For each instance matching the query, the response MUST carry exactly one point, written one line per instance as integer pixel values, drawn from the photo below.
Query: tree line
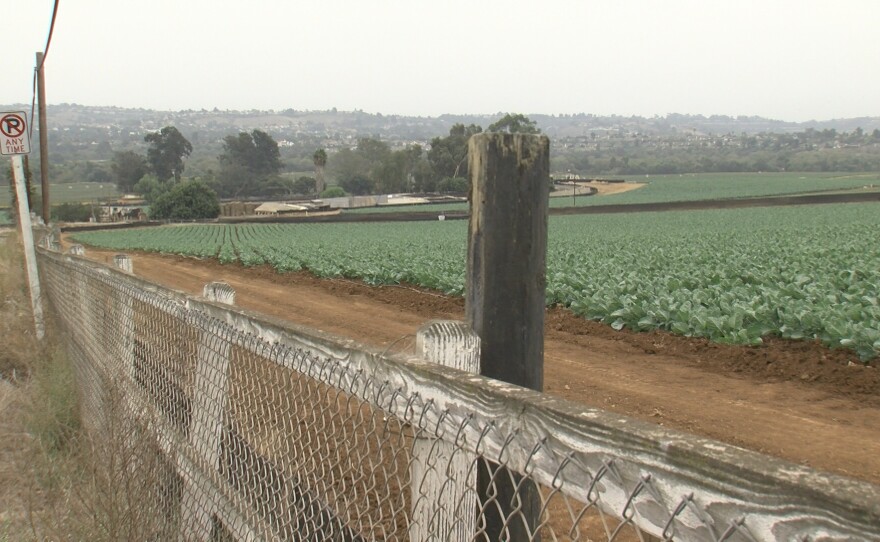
(637, 154)
(250, 167)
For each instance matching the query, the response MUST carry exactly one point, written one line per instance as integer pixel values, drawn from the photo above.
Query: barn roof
(279, 208)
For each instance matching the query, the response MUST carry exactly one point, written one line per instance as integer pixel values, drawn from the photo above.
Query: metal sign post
(14, 141)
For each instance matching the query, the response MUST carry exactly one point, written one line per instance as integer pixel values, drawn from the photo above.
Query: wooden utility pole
(505, 297)
(44, 144)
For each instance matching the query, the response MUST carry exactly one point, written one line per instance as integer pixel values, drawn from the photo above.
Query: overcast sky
(791, 60)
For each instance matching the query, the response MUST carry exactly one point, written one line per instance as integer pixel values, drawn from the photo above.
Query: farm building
(271, 208)
(282, 209)
(125, 209)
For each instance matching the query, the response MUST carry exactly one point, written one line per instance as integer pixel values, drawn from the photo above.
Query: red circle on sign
(12, 125)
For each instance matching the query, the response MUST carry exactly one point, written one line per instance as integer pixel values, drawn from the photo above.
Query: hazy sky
(784, 59)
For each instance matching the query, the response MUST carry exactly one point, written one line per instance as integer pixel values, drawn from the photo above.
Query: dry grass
(38, 415)
(18, 345)
(56, 481)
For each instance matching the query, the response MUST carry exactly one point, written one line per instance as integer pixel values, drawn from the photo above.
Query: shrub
(453, 185)
(333, 192)
(186, 201)
(72, 212)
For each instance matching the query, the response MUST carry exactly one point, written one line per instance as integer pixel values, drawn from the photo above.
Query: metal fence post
(444, 479)
(505, 295)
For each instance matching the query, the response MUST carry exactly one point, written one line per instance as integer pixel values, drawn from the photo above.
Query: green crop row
(690, 187)
(733, 276)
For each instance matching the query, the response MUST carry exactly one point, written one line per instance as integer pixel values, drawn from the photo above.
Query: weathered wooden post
(209, 402)
(444, 500)
(123, 262)
(505, 297)
(219, 292)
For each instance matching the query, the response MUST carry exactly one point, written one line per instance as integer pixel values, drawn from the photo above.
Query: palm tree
(320, 160)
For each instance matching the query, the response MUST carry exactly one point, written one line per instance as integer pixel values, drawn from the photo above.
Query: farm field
(695, 187)
(70, 193)
(732, 276)
(709, 186)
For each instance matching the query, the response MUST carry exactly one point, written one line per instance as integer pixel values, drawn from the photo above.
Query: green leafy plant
(733, 276)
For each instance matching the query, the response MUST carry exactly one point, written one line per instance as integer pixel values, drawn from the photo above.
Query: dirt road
(794, 400)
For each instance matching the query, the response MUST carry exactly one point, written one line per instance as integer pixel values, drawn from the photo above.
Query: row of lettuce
(733, 276)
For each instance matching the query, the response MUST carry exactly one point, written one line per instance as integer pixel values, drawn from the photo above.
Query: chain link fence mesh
(235, 427)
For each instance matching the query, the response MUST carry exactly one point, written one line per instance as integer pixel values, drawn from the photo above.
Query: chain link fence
(240, 427)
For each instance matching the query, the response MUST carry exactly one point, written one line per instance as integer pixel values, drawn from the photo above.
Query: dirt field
(795, 400)
(602, 188)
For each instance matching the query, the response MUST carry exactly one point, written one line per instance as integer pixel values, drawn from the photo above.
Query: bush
(186, 201)
(150, 188)
(453, 185)
(333, 192)
(72, 212)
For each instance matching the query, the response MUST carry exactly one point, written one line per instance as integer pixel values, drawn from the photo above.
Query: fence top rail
(555, 440)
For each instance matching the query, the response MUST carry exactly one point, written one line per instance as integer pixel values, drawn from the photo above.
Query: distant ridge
(361, 124)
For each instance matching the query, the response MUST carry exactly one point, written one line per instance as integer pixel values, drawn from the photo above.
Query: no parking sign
(14, 137)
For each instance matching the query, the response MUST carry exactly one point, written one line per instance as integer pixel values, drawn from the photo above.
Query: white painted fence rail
(277, 432)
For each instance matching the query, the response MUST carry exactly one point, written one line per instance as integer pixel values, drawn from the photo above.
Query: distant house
(281, 209)
(273, 208)
(126, 209)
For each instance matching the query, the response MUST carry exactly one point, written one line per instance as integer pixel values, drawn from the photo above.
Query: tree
(320, 160)
(150, 188)
(347, 164)
(266, 156)
(166, 152)
(454, 185)
(514, 123)
(248, 160)
(359, 185)
(128, 167)
(186, 201)
(403, 170)
(305, 185)
(423, 177)
(361, 171)
(448, 155)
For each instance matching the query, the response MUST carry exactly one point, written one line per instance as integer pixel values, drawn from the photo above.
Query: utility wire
(33, 102)
(40, 67)
(49, 39)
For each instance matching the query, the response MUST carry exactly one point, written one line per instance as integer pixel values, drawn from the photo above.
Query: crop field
(708, 186)
(694, 187)
(69, 193)
(732, 276)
